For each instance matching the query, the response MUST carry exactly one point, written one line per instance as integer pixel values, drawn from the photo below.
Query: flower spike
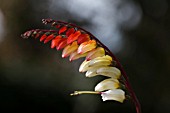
(76, 42)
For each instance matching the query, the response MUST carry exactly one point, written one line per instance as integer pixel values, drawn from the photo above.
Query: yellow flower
(109, 71)
(107, 84)
(75, 55)
(101, 61)
(98, 52)
(86, 46)
(69, 49)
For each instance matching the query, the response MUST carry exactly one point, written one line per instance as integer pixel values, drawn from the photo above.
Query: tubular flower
(77, 43)
(115, 94)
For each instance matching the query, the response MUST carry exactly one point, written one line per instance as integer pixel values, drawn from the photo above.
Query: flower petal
(55, 42)
(64, 28)
(50, 37)
(43, 37)
(116, 94)
(75, 55)
(83, 38)
(86, 46)
(70, 31)
(73, 37)
(69, 49)
(62, 43)
(98, 52)
(84, 66)
(107, 84)
(109, 71)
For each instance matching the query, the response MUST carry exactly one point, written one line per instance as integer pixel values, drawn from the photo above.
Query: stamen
(84, 92)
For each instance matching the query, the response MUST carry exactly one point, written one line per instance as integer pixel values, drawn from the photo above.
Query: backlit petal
(50, 37)
(75, 55)
(98, 52)
(84, 66)
(107, 84)
(116, 94)
(73, 37)
(109, 71)
(69, 49)
(101, 61)
(86, 46)
(64, 28)
(55, 42)
(43, 37)
(70, 31)
(62, 43)
(83, 38)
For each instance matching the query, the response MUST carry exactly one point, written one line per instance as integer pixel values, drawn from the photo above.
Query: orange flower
(64, 28)
(50, 37)
(69, 49)
(55, 42)
(73, 37)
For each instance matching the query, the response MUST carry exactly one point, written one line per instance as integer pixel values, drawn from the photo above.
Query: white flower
(116, 94)
(107, 84)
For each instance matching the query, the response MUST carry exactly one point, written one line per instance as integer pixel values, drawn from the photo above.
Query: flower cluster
(75, 43)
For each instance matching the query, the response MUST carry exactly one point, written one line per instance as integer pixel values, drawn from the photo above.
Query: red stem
(127, 83)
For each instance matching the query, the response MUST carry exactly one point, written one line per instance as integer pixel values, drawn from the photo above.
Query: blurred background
(34, 78)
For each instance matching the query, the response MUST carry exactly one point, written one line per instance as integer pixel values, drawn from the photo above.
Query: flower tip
(64, 56)
(45, 42)
(88, 59)
(70, 60)
(79, 52)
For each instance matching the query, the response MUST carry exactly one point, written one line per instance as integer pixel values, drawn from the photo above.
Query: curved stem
(118, 65)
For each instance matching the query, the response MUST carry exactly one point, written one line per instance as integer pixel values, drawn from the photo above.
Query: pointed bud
(98, 52)
(107, 84)
(83, 38)
(55, 42)
(92, 71)
(73, 37)
(62, 44)
(75, 55)
(116, 94)
(63, 29)
(109, 71)
(50, 37)
(86, 46)
(69, 49)
(70, 31)
(43, 37)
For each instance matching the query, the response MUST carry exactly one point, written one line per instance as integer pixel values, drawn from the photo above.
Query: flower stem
(84, 92)
(118, 65)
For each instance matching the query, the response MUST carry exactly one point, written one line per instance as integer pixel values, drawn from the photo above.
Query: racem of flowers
(75, 43)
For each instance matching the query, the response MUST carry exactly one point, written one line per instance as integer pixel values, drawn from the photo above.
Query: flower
(69, 49)
(77, 43)
(86, 46)
(75, 55)
(98, 52)
(107, 84)
(115, 94)
(109, 71)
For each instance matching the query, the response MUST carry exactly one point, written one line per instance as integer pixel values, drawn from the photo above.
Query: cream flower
(116, 94)
(107, 84)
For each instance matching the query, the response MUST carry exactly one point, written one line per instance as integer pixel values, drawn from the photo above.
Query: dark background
(34, 78)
